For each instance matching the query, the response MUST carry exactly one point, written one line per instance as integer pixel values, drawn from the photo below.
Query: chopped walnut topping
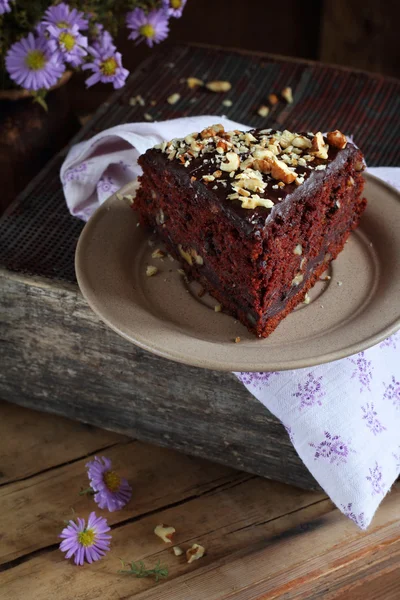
(195, 552)
(320, 167)
(218, 86)
(287, 94)
(193, 82)
(174, 98)
(319, 148)
(232, 164)
(208, 178)
(298, 250)
(165, 533)
(263, 111)
(273, 99)
(298, 279)
(337, 139)
(150, 271)
(307, 299)
(286, 138)
(217, 174)
(301, 141)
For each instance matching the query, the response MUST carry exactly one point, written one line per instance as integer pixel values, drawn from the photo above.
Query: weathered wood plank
(33, 510)
(75, 366)
(33, 442)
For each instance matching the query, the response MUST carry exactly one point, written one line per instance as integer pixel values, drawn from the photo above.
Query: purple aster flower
(151, 27)
(112, 491)
(86, 542)
(174, 7)
(104, 41)
(63, 17)
(5, 6)
(32, 65)
(69, 43)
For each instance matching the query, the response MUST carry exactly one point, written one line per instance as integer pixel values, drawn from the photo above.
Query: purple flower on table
(69, 43)
(5, 6)
(358, 519)
(375, 478)
(111, 490)
(333, 448)
(103, 42)
(311, 392)
(392, 392)
(64, 17)
(32, 65)
(106, 66)
(150, 27)
(370, 417)
(174, 7)
(258, 380)
(363, 371)
(86, 542)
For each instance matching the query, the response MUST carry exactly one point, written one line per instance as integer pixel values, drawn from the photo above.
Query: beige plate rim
(203, 353)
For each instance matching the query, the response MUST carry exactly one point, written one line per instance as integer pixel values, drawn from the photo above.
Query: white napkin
(343, 418)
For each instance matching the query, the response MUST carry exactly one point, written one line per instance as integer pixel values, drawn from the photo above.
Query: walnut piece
(177, 551)
(218, 86)
(173, 99)
(195, 552)
(337, 139)
(165, 533)
(318, 146)
(263, 111)
(232, 164)
(273, 99)
(150, 271)
(193, 82)
(287, 94)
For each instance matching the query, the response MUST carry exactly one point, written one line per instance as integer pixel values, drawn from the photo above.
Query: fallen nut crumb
(174, 98)
(148, 117)
(193, 82)
(181, 272)
(151, 270)
(158, 253)
(227, 102)
(218, 307)
(273, 99)
(195, 552)
(165, 533)
(287, 94)
(237, 340)
(263, 111)
(307, 299)
(218, 86)
(177, 551)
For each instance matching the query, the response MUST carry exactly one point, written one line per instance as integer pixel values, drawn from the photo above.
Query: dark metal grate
(39, 236)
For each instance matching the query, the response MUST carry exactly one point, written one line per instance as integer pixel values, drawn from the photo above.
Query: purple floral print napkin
(343, 418)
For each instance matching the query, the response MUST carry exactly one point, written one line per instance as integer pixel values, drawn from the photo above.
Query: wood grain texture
(75, 366)
(264, 540)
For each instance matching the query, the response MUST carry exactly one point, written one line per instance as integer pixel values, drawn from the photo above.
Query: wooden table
(263, 539)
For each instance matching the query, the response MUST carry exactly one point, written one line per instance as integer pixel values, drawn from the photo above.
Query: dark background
(359, 34)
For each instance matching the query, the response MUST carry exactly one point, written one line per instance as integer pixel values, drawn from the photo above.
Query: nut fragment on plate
(218, 86)
(194, 82)
(337, 139)
(218, 307)
(150, 271)
(195, 552)
(263, 111)
(287, 95)
(273, 99)
(237, 340)
(165, 533)
(158, 253)
(177, 550)
(173, 99)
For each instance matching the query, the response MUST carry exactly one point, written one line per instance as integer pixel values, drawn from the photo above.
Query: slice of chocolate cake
(255, 217)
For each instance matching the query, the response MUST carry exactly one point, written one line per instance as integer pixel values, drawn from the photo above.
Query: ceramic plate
(357, 308)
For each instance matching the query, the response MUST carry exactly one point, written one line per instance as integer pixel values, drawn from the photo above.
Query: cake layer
(255, 242)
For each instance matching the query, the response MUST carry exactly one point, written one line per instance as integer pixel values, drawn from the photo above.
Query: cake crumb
(218, 307)
(263, 111)
(151, 270)
(237, 340)
(173, 98)
(158, 253)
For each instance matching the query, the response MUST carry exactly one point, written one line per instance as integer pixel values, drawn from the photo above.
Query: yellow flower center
(35, 60)
(176, 3)
(112, 480)
(62, 24)
(86, 537)
(68, 40)
(147, 30)
(109, 66)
